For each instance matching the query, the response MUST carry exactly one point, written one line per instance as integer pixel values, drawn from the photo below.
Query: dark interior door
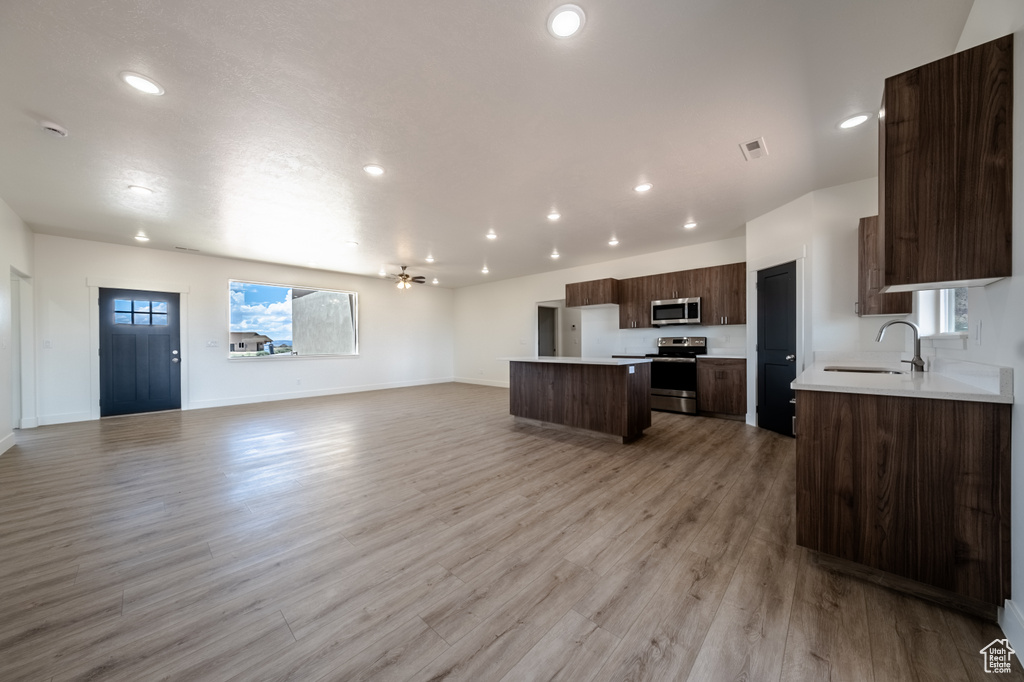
(546, 331)
(776, 347)
(140, 352)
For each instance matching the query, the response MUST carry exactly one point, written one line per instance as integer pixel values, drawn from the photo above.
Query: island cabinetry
(945, 147)
(722, 387)
(870, 299)
(596, 292)
(915, 490)
(611, 399)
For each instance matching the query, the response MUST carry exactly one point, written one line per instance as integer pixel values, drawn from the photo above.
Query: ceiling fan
(405, 280)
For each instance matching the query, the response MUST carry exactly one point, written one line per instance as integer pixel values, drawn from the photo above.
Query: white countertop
(579, 361)
(947, 380)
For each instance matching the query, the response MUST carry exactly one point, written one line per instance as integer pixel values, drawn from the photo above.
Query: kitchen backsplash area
(602, 336)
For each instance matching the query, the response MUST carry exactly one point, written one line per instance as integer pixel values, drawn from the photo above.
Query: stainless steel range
(674, 373)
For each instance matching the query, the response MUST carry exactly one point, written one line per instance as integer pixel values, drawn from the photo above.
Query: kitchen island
(610, 397)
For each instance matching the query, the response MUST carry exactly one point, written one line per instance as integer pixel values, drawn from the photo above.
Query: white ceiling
(481, 119)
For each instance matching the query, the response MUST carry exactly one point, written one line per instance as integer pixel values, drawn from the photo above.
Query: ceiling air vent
(754, 149)
(185, 248)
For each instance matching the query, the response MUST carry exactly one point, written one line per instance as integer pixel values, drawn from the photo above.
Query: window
(953, 310)
(280, 320)
(139, 313)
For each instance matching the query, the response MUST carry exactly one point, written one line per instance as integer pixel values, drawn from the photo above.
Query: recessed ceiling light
(854, 121)
(491, 235)
(566, 20)
(351, 244)
(374, 169)
(613, 242)
(435, 281)
(141, 83)
(140, 237)
(430, 259)
(383, 272)
(690, 225)
(554, 254)
(54, 128)
(643, 187)
(554, 215)
(139, 189)
(485, 270)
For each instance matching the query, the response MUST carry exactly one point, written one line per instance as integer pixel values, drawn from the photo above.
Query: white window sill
(944, 336)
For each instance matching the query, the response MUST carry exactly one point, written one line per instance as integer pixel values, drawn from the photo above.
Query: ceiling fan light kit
(405, 281)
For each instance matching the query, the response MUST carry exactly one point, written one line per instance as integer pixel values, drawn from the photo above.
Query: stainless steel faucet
(917, 364)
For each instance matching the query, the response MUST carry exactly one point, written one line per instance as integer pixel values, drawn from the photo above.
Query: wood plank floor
(419, 534)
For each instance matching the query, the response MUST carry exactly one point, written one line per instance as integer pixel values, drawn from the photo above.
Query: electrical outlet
(47, 343)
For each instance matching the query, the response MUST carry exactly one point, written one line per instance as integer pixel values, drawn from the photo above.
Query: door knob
(791, 358)
(175, 360)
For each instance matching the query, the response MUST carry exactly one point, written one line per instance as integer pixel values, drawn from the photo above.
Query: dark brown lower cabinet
(609, 399)
(722, 387)
(913, 487)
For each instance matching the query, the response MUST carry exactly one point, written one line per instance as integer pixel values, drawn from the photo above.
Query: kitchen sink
(863, 370)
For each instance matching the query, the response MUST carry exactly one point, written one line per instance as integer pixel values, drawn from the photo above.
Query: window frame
(309, 356)
(947, 312)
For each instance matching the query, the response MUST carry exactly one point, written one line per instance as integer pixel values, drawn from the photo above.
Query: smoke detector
(754, 149)
(54, 129)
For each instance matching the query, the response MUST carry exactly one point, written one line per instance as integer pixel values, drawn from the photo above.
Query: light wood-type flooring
(419, 534)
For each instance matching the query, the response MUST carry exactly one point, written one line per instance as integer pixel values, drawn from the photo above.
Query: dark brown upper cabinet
(596, 292)
(945, 156)
(870, 300)
(635, 296)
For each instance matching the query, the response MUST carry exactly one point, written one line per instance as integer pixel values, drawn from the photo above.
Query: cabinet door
(945, 164)
(870, 300)
(595, 292)
(575, 294)
(731, 292)
(722, 386)
(635, 303)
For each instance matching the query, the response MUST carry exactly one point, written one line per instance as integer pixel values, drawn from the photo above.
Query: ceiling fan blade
(419, 279)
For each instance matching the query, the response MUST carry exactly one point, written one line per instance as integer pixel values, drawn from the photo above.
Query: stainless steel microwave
(675, 311)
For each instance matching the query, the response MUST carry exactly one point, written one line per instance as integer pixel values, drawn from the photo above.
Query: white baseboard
(316, 393)
(29, 423)
(481, 382)
(66, 418)
(1011, 620)
(6, 443)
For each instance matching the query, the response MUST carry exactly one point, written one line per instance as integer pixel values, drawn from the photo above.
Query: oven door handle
(688, 360)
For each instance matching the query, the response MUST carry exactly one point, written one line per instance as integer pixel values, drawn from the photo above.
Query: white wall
(819, 232)
(15, 255)
(997, 308)
(405, 337)
(499, 319)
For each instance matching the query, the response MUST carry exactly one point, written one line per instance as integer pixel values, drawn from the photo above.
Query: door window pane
(121, 305)
(141, 318)
(142, 306)
(159, 319)
(159, 307)
(122, 318)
